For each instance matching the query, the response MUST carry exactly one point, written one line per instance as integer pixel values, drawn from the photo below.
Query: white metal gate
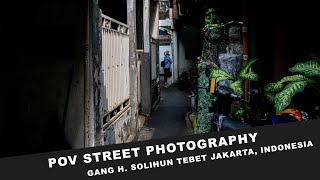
(115, 63)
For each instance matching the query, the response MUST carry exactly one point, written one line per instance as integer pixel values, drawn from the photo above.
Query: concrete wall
(119, 131)
(45, 47)
(183, 63)
(154, 63)
(175, 55)
(75, 125)
(154, 20)
(154, 32)
(52, 69)
(149, 85)
(124, 129)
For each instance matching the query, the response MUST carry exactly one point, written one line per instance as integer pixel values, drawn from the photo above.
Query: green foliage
(282, 92)
(239, 113)
(251, 76)
(237, 85)
(212, 98)
(245, 69)
(242, 112)
(210, 16)
(283, 99)
(188, 78)
(278, 86)
(270, 97)
(273, 88)
(245, 74)
(310, 68)
(293, 78)
(220, 75)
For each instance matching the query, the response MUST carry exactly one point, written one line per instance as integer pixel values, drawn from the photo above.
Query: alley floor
(168, 118)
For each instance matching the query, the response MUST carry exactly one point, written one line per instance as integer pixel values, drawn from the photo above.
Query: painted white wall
(165, 22)
(154, 24)
(154, 30)
(146, 26)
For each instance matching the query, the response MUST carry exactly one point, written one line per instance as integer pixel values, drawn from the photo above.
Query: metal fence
(115, 66)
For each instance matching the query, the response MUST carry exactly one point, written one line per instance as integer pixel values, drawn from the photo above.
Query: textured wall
(223, 50)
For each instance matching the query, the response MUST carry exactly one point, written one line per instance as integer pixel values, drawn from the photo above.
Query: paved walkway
(168, 119)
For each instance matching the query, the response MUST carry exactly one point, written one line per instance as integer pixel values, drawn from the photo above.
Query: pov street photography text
(213, 143)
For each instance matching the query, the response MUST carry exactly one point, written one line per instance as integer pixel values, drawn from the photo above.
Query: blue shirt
(167, 62)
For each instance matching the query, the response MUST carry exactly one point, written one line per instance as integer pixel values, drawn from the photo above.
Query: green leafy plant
(210, 16)
(237, 84)
(188, 78)
(242, 112)
(281, 93)
(184, 81)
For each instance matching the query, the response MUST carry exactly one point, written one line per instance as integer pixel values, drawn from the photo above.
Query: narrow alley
(86, 73)
(169, 117)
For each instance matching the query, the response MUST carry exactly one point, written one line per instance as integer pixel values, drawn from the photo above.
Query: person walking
(167, 68)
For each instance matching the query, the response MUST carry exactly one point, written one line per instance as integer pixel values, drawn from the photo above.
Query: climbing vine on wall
(217, 40)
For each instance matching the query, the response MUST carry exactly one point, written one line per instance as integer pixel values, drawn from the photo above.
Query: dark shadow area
(41, 75)
(118, 9)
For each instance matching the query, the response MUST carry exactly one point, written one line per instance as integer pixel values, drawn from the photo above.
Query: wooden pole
(245, 45)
